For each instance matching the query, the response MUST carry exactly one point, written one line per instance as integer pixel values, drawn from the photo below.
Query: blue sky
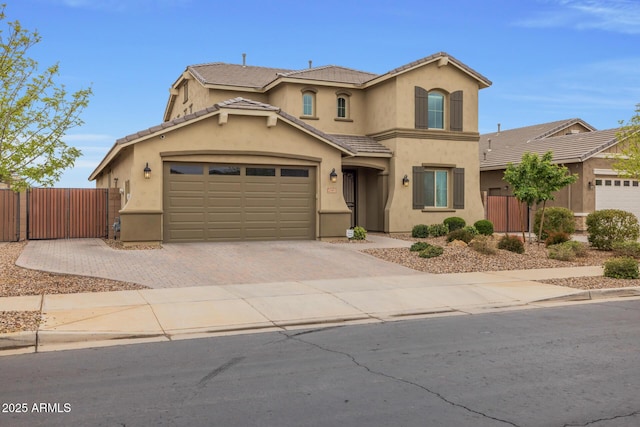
(548, 59)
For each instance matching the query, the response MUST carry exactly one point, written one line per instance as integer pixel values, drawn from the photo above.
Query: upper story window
(309, 102)
(430, 108)
(342, 104)
(342, 107)
(436, 110)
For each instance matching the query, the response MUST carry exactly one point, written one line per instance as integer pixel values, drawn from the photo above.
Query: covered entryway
(225, 202)
(618, 193)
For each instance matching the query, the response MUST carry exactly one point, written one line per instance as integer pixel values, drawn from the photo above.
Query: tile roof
(363, 144)
(512, 137)
(219, 73)
(570, 148)
(332, 73)
(432, 58)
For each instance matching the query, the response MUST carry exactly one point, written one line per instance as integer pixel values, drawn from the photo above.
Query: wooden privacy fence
(503, 212)
(9, 216)
(63, 213)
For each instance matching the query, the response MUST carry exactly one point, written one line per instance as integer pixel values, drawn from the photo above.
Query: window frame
(310, 94)
(443, 98)
(455, 187)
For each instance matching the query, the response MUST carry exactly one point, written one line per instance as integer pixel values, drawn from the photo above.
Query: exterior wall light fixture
(405, 181)
(333, 176)
(147, 171)
(590, 185)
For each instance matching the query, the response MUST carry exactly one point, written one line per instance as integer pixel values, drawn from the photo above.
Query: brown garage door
(223, 202)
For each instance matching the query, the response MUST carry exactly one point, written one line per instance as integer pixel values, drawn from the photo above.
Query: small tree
(536, 179)
(628, 158)
(35, 113)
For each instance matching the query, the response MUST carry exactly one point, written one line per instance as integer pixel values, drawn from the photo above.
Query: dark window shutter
(422, 108)
(456, 111)
(458, 188)
(418, 187)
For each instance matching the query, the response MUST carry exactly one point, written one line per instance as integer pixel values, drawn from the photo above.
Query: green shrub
(484, 227)
(556, 237)
(438, 230)
(460, 234)
(626, 248)
(483, 245)
(420, 230)
(511, 243)
(561, 252)
(611, 225)
(555, 220)
(471, 229)
(419, 246)
(621, 268)
(359, 233)
(578, 248)
(454, 223)
(431, 252)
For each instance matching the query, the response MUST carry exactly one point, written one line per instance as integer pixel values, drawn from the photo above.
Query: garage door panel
(239, 207)
(626, 198)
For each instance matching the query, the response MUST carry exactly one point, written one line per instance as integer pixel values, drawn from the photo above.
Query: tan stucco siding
(577, 127)
(381, 101)
(447, 79)
(413, 152)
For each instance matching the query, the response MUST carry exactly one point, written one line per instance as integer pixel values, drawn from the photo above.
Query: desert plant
(437, 230)
(359, 233)
(555, 220)
(578, 248)
(511, 243)
(431, 252)
(484, 227)
(561, 252)
(454, 223)
(420, 231)
(471, 229)
(621, 268)
(626, 248)
(419, 246)
(460, 234)
(483, 245)
(556, 237)
(611, 225)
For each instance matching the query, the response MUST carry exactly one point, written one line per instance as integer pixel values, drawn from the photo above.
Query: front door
(349, 191)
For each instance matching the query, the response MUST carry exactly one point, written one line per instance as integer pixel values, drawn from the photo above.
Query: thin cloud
(118, 5)
(621, 16)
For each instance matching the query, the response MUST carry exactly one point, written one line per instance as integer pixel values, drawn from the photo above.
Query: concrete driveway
(202, 264)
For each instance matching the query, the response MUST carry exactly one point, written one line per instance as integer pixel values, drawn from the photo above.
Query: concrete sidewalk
(93, 319)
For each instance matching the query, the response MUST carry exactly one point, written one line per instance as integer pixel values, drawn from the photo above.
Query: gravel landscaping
(462, 259)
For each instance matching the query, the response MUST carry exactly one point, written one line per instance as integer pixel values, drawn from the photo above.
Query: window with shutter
(422, 108)
(431, 187)
(456, 111)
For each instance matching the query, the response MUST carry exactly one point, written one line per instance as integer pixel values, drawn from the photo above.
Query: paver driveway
(201, 264)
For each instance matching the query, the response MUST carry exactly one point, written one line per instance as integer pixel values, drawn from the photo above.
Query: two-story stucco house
(255, 153)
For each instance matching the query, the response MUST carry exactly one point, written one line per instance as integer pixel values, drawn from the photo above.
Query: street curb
(596, 294)
(63, 337)
(15, 340)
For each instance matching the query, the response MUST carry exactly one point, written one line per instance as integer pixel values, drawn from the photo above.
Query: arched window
(308, 102)
(342, 107)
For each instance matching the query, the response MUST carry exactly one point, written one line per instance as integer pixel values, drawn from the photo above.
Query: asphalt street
(575, 365)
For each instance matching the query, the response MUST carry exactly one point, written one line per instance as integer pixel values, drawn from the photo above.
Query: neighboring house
(575, 144)
(255, 153)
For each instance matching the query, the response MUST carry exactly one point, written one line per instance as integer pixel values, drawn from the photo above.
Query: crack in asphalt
(402, 380)
(616, 417)
(203, 382)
